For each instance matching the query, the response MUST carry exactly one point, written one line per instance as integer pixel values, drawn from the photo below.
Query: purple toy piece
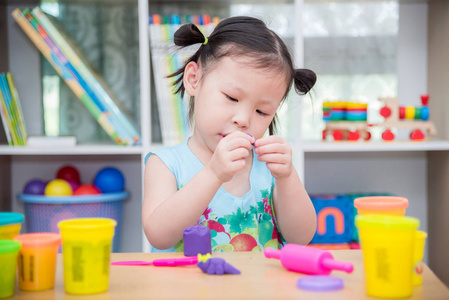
(197, 240)
(217, 266)
(320, 283)
(34, 187)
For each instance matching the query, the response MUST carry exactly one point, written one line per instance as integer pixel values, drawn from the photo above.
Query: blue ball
(34, 187)
(110, 180)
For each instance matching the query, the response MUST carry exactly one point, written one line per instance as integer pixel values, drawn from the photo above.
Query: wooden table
(261, 278)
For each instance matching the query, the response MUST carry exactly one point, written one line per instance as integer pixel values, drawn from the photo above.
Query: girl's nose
(241, 119)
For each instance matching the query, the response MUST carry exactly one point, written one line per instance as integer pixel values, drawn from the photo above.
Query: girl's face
(233, 96)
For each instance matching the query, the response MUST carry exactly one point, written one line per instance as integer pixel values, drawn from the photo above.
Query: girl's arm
(166, 211)
(294, 210)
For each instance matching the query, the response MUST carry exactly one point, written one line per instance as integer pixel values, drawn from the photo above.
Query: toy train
(348, 120)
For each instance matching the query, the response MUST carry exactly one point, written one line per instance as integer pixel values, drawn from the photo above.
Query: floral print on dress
(243, 230)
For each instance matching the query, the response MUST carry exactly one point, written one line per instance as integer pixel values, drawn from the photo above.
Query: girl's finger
(274, 158)
(272, 148)
(238, 153)
(243, 135)
(232, 143)
(269, 140)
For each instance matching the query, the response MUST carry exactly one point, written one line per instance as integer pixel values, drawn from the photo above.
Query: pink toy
(165, 262)
(307, 260)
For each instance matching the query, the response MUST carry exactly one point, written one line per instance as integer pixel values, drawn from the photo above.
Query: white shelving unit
(77, 150)
(403, 146)
(20, 164)
(412, 169)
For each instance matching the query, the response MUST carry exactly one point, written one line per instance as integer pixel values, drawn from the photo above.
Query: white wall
(412, 52)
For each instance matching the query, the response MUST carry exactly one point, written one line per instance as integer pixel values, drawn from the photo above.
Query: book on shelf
(78, 75)
(11, 112)
(6, 121)
(167, 59)
(17, 109)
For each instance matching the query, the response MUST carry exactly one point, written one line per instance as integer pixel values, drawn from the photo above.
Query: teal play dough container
(8, 265)
(10, 225)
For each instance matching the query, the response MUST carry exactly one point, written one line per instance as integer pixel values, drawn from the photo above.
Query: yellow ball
(58, 187)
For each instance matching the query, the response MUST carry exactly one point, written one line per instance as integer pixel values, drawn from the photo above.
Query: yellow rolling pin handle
(204, 258)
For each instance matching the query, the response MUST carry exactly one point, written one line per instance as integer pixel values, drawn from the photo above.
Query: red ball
(86, 189)
(68, 173)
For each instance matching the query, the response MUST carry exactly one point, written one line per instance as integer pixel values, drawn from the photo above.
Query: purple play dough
(217, 266)
(197, 240)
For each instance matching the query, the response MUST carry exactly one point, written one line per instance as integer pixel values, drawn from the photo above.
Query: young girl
(227, 176)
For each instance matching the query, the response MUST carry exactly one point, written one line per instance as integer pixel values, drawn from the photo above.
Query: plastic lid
(320, 283)
(386, 222)
(87, 223)
(38, 239)
(7, 246)
(381, 202)
(7, 218)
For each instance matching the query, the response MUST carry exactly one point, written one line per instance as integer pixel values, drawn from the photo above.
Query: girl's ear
(191, 77)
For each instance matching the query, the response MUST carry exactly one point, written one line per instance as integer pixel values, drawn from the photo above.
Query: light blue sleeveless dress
(244, 223)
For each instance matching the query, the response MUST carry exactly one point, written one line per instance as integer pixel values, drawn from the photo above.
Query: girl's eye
(261, 113)
(232, 99)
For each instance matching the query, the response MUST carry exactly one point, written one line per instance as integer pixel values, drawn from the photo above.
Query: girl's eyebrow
(236, 86)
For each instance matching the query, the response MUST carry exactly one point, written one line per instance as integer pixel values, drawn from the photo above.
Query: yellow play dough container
(10, 225)
(381, 205)
(388, 246)
(37, 260)
(86, 248)
(418, 254)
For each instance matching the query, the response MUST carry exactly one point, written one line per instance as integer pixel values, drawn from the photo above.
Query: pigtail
(304, 80)
(188, 34)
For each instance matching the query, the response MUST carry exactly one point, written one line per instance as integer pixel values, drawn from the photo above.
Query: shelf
(77, 150)
(436, 145)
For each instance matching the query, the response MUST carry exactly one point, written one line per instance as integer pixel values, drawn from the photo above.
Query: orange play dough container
(381, 205)
(37, 260)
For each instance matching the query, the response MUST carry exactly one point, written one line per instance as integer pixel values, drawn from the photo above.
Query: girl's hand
(230, 155)
(277, 153)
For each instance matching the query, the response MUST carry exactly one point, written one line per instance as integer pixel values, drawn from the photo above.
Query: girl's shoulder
(170, 151)
(179, 159)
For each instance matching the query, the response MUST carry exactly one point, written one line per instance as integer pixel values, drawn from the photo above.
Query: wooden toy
(414, 118)
(347, 120)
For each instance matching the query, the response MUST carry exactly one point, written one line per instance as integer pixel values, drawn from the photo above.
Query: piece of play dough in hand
(217, 266)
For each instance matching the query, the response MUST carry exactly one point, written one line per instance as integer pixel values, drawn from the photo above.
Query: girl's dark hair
(247, 37)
